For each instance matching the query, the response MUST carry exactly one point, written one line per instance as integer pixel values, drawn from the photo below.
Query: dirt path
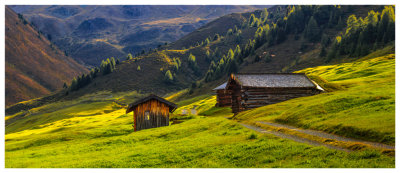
(327, 135)
(293, 137)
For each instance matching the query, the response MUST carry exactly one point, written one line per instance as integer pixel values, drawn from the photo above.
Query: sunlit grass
(94, 131)
(362, 106)
(205, 106)
(108, 140)
(174, 96)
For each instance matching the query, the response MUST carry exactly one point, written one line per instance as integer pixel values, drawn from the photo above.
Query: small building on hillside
(224, 98)
(255, 90)
(151, 112)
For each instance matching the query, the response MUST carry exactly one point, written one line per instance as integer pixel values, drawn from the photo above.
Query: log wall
(224, 98)
(158, 115)
(257, 97)
(244, 97)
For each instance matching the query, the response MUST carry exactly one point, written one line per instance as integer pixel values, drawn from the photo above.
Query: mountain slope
(89, 127)
(92, 33)
(154, 64)
(34, 67)
(292, 53)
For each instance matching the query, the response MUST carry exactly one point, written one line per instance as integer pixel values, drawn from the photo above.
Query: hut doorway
(148, 119)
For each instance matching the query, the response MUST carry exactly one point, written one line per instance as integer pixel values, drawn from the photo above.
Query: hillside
(153, 65)
(92, 33)
(259, 41)
(353, 106)
(347, 50)
(34, 66)
(85, 131)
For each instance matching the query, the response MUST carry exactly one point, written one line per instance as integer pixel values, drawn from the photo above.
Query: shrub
(252, 136)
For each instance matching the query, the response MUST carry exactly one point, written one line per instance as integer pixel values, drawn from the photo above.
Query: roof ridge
(225, 83)
(149, 97)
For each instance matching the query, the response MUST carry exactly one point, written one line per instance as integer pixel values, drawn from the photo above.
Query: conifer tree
(238, 54)
(231, 55)
(252, 19)
(129, 56)
(264, 15)
(207, 42)
(193, 64)
(74, 84)
(216, 37)
(168, 77)
(230, 32)
(208, 55)
(113, 63)
(231, 67)
(312, 31)
(238, 36)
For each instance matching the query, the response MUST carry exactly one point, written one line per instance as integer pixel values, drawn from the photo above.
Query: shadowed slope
(34, 67)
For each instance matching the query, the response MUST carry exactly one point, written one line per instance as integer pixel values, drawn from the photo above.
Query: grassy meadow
(360, 102)
(107, 140)
(94, 131)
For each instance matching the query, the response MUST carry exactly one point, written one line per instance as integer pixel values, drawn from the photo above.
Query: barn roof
(221, 87)
(274, 80)
(131, 107)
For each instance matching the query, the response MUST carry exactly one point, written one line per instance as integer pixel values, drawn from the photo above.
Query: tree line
(307, 22)
(107, 66)
(365, 35)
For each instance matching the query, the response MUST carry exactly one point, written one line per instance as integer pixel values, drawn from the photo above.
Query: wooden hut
(256, 90)
(224, 98)
(150, 112)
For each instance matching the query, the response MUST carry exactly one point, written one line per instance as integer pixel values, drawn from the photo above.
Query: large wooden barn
(256, 90)
(224, 98)
(150, 112)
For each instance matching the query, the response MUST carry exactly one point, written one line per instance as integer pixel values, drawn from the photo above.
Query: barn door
(147, 120)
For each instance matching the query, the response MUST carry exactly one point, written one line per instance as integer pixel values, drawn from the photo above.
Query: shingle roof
(275, 80)
(221, 87)
(131, 107)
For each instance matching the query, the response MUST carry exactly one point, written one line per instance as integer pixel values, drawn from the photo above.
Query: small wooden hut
(224, 98)
(256, 90)
(151, 112)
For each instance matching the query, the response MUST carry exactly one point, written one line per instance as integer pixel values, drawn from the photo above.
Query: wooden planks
(158, 115)
(249, 98)
(257, 97)
(224, 98)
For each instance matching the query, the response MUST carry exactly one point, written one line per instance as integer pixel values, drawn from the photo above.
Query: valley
(349, 51)
(95, 126)
(92, 33)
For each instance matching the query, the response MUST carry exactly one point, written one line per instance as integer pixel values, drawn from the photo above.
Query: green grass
(360, 104)
(108, 141)
(205, 106)
(87, 105)
(192, 100)
(94, 132)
